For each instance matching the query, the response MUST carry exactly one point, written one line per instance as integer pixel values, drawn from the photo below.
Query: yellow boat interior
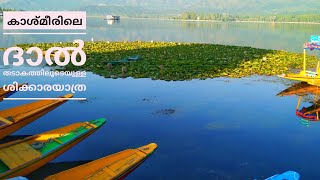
(114, 166)
(18, 154)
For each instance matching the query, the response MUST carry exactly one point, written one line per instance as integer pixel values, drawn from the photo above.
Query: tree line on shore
(6, 9)
(267, 18)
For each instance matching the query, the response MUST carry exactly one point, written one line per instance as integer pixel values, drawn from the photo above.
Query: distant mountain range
(170, 7)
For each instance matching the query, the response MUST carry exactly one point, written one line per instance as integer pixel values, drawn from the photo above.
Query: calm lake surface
(206, 129)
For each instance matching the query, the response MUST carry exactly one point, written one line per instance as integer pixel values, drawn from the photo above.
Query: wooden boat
(115, 166)
(311, 77)
(16, 118)
(301, 88)
(5, 94)
(304, 76)
(21, 157)
(112, 17)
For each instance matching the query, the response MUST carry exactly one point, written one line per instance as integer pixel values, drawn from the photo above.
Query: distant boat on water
(111, 17)
(112, 22)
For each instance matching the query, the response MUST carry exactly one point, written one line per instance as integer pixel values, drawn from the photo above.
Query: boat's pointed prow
(68, 96)
(98, 122)
(17, 117)
(8, 93)
(148, 149)
(115, 166)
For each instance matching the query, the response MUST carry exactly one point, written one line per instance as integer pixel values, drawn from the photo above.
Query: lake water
(206, 129)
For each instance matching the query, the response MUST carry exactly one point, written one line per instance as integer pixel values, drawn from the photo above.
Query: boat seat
(56, 140)
(5, 121)
(17, 155)
(311, 73)
(89, 124)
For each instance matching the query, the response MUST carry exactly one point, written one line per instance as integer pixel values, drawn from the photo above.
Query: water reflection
(308, 105)
(112, 22)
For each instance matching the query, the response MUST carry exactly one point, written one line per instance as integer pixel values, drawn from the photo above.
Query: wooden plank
(102, 175)
(91, 125)
(56, 140)
(5, 121)
(10, 159)
(18, 154)
(126, 163)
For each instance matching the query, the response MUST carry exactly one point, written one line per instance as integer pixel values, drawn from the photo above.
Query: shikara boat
(16, 118)
(301, 88)
(112, 17)
(304, 76)
(5, 94)
(21, 157)
(311, 77)
(115, 166)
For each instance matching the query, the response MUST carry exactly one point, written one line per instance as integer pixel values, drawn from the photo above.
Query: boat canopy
(313, 44)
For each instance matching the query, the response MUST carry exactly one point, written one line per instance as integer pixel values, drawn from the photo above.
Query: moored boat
(311, 77)
(16, 118)
(21, 157)
(115, 166)
(6, 94)
(112, 17)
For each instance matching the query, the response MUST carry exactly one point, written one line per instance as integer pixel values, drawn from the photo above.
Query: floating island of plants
(182, 61)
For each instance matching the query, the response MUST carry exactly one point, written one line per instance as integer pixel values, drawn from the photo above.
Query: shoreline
(190, 20)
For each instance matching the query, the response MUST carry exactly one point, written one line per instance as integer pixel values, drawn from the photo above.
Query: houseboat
(111, 17)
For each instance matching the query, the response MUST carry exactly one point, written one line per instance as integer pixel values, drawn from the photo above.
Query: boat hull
(123, 176)
(303, 78)
(115, 166)
(5, 94)
(9, 129)
(32, 166)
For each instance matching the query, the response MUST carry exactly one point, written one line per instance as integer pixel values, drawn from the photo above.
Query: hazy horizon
(166, 7)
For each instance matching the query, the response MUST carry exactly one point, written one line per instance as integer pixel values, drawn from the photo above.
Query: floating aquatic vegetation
(153, 99)
(182, 61)
(166, 112)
